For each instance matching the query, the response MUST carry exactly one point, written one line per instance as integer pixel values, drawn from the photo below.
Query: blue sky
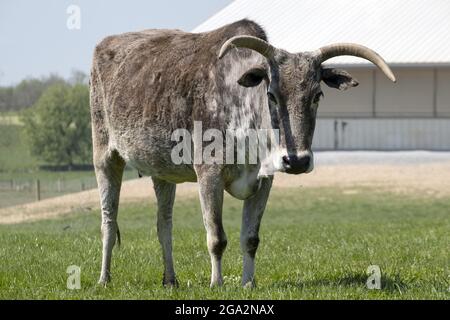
(35, 39)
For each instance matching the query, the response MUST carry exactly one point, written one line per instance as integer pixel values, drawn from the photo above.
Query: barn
(414, 38)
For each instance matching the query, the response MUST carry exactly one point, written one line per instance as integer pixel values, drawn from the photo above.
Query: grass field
(315, 244)
(14, 155)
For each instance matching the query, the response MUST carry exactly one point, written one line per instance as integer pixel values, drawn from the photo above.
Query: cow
(145, 85)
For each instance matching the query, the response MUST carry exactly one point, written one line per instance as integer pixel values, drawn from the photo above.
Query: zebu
(145, 85)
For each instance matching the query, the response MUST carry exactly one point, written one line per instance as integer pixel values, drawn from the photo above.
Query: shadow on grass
(388, 284)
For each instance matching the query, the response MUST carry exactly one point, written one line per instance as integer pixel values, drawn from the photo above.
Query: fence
(18, 191)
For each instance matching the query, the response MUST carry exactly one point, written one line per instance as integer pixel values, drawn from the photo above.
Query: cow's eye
(271, 98)
(317, 97)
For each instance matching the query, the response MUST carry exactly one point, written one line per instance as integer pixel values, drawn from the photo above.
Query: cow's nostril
(286, 161)
(295, 165)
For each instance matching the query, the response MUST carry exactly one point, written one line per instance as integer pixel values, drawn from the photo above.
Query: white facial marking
(271, 164)
(274, 162)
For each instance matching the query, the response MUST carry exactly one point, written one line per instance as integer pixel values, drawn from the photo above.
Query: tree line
(56, 118)
(27, 92)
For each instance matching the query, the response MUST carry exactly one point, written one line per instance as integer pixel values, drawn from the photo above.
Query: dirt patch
(429, 180)
(422, 179)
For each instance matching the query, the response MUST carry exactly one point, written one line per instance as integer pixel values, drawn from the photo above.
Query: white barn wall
(411, 96)
(324, 136)
(443, 93)
(354, 102)
(382, 134)
(413, 113)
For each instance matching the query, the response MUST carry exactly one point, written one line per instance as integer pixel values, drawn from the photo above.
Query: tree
(57, 127)
(28, 91)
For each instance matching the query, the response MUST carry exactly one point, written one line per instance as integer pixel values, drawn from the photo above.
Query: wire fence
(23, 190)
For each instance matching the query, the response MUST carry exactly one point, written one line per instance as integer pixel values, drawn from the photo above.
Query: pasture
(14, 155)
(316, 243)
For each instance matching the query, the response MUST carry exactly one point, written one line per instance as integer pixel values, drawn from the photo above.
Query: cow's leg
(251, 220)
(211, 190)
(165, 195)
(108, 170)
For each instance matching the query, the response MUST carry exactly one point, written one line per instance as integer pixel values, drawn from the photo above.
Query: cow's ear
(253, 77)
(338, 78)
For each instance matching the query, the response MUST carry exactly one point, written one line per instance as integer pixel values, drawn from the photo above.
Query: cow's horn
(356, 50)
(254, 43)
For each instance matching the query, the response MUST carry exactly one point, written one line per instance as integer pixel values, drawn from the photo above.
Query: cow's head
(293, 90)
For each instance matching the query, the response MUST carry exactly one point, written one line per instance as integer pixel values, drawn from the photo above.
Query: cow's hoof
(171, 282)
(216, 284)
(104, 281)
(249, 285)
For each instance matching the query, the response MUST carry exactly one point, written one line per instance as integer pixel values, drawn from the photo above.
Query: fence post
(82, 185)
(59, 186)
(38, 190)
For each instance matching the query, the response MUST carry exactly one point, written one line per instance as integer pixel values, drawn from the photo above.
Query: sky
(57, 36)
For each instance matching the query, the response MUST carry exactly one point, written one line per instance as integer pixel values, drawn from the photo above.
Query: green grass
(14, 154)
(315, 244)
(10, 117)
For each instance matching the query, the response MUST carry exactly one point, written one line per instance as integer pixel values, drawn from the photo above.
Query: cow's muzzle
(303, 162)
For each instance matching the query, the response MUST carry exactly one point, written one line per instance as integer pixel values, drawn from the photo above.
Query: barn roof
(404, 32)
